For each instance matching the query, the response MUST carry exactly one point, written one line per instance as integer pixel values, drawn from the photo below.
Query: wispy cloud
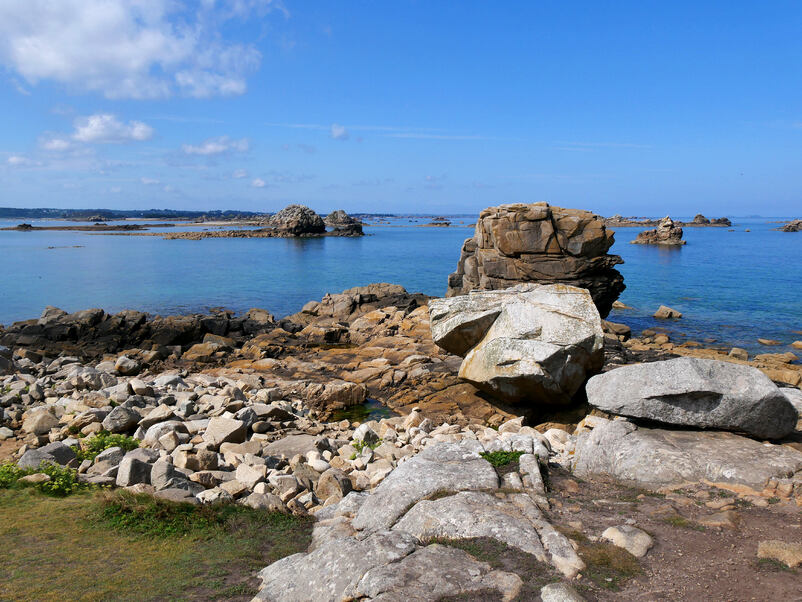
(258, 183)
(216, 146)
(339, 132)
(426, 136)
(593, 146)
(388, 131)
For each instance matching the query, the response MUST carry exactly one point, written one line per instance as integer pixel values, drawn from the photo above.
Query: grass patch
(682, 522)
(772, 565)
(501, 458)
(608, 566)
(90, 546)
(501, 557)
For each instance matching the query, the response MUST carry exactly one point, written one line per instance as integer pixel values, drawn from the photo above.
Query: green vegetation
(63, 481)
(101, 441)
(681, 521)
(501, 458)
(361, 445)
(96, 546)
(607, 565)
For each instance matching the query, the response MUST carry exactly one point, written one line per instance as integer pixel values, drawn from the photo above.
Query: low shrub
(501, 458)
(101, 441)
(63, 480)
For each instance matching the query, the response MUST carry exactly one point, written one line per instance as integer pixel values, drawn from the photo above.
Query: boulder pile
(297, 220)
(532, 344)
(522, 243)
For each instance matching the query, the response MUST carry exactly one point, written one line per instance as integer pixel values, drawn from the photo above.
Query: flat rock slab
(472, 514)
(443, 467)
(696, 392)
(655, 458)
(290, 446)
(433, 572)
(332, 571)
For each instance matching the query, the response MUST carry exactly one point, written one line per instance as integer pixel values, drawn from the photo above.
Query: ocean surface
(732, 286)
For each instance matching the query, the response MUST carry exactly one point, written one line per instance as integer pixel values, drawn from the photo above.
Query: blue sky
(639, 108)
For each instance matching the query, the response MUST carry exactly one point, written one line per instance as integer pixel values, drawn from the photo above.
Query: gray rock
(39, 422)
(138, 387)
(52, 453)
(655, 458)
(290, 446)
(158, 430)
(542, 345)
(696, 392)
(224, 430)
(178, 495)
(127, 366)
(160, 413)
(472, 514)
(164, 475)
(333, 483)
(443, 467)
(559, 592)
(132, 471)
(434, 572)
(332, 572)
(265, 501)
(121, 420)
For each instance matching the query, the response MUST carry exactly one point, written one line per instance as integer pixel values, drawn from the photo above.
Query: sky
(638, 108)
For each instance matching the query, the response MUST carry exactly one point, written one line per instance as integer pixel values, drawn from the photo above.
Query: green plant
(773, 500)
(501, 458)
(63, 481)
(103, 440)
(361, 445)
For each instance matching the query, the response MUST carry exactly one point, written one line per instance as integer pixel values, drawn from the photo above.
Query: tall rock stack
(538, 243)
(667, 233)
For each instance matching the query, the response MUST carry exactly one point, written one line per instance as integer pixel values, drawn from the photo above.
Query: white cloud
(130, 48)
(56, 144)
(149, 181)
(20, 161)
(258, 183)
(339, 132)
(240, 173)
(216, 146)
(106, 128)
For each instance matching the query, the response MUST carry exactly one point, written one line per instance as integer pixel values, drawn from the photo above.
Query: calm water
(731, 286)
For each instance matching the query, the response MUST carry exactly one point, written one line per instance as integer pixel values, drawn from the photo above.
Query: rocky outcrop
(656, 458)
(667, 233)
(539, 243)
(533, 344)
(696, 392)
(793, 226)
(297, 220)
(700, 219)
(343, 223)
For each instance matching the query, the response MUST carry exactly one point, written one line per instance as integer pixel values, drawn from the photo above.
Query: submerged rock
(531, 343)
(696, 392)
(666, 233)
(539, 243)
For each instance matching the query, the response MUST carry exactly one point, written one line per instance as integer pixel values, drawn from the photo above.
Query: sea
(732, 285)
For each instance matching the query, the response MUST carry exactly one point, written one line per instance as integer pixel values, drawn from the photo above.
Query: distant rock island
(619, 221)
(667, 233)
(792, 226)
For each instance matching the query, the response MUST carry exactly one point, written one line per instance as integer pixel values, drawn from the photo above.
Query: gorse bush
(63, 481)
(101, 441)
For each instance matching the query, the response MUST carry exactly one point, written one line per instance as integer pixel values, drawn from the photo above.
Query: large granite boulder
(655, 458)
(297, 220)
(539, 243)
(696, 392)
(532, 343)
(667, 233)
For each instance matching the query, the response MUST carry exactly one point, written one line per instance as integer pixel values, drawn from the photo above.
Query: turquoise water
(731, 286)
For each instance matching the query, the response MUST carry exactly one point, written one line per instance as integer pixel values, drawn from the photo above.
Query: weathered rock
(343, 223)
(225, 430)
(127, 366)
(655, 458)
(472, 514)
(789, 553)
(121, 420)
(666, 233)
(635, 541)
(538, 243)
(132, 471)
(442, 467)
(39, 422)
(332, 484)
(52, 453)
(332, 571)
(543, 343)
(434, 572)
(666, 313)
(792, 226)
(559, 592)
(696, 392)
(298, 220)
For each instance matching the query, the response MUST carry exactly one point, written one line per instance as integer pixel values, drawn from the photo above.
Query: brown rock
(789, 553)
(666, 313)
(667, 233)
(538, 243)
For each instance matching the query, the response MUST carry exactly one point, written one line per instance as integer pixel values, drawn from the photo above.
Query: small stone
(635, 541)
(739, 354)
(35, 478)
(126, 366)
(224, 430)
(666, 313)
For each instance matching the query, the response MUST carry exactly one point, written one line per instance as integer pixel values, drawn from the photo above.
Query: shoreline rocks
(539, 243)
